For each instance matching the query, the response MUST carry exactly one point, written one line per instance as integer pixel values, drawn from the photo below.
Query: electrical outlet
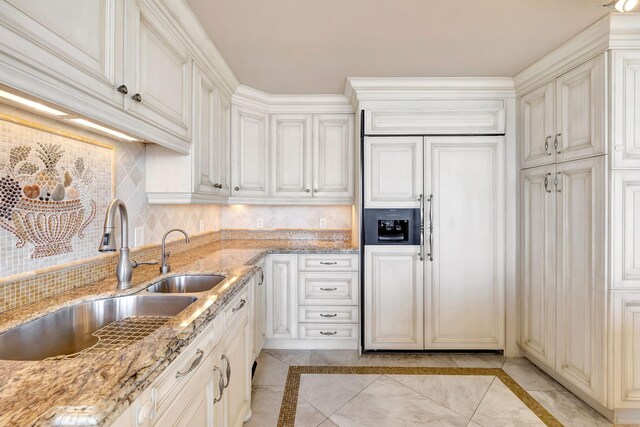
(138, 236)
(323, 222)
(260, 223)
(201, 225)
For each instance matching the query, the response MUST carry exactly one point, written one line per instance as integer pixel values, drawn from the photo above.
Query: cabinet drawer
(235, 309)
(328, 314)
(328, 288)
(341, 332)
(180, 371)
(328, 262)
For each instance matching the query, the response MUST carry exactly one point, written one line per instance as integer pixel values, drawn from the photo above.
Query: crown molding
(249, 97)
(360, 89)
(614, 31)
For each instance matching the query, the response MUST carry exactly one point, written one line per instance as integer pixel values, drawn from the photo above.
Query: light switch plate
(323, 222)
(260, 223)
(201, 225)
(138, 236)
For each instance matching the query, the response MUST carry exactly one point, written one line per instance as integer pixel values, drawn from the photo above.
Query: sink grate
(119, 334)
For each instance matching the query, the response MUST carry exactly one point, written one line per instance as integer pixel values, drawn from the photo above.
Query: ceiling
(311, 46)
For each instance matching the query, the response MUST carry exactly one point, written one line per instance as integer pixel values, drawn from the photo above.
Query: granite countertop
(99, 388)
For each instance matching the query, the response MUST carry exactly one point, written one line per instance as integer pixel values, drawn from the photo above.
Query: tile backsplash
(301, 217)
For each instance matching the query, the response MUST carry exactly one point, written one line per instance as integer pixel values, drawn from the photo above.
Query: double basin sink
(74, 329)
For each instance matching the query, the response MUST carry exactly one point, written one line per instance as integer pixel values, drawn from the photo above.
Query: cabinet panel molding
(333, 156)
(625, 259)
(536, 127)
(250, 149)
(282, 304)
(625, 105)
(626, 319)
(291, 153)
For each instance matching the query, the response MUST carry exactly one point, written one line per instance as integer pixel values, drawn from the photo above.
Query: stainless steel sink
(71, 330)
(186, 284)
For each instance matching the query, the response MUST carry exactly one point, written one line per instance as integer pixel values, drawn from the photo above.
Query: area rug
(290, 398)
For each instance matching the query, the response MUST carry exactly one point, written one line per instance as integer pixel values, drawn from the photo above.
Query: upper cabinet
(393, 176)
(563, 120)
(250, 149)
(291, 155)
(87, 55)
(625, 108)
(291, 158)
(159, 71)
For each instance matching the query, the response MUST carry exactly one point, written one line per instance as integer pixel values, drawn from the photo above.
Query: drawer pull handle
(220, 385)
(328, 289)
(328, 333)
(226, 359)
(194, 364)
(328, 262)
(238, 308)
(328, 315)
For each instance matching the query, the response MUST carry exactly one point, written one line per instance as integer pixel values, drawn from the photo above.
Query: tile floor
(407, 400)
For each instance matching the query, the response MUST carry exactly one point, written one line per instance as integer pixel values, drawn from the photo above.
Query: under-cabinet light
(31, 104)
(622, 5)
(89, 124)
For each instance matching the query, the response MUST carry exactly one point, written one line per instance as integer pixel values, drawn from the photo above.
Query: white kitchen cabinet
(333, 156)
(626, 348)
(625, 107)
(464, 286)
(236, 365)
(394, 298)
(625, 233)
(282, 309)
(203, 175)
(160, 67)
(536, 126)
(77, 41)
(564, 119)
(580, 112)
(393, 172)
(258, 319)
(538, 264)
(291, 155)
(581, 295)
(249, 152)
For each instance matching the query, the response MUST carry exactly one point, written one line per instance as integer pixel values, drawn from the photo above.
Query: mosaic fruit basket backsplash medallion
(43, 203)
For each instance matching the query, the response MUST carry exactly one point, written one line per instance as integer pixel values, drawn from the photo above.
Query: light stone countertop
(99, 388)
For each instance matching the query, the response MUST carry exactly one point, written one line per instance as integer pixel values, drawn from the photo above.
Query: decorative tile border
(290, 398)
(286, 234)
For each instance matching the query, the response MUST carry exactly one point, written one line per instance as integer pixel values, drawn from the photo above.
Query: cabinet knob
(315, 190)
(236, 188)
(619, 148)
(144, 412)
(308, 191)
(137, 97)
(123, 89)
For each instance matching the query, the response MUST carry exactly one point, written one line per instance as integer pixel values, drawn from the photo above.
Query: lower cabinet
(258, 318)
(236, 365)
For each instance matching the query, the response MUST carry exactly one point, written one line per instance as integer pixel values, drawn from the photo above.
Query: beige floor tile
(328, 423)
(529, 376)
(472, 424)
(460, 393)
(344, 358)
(500, 407)
(265, 406)
(388, 403)
(307, 415)
(292, 357)
(478, 360)
(423, 360)
(270, 371)
(569, 410)
(328, 393)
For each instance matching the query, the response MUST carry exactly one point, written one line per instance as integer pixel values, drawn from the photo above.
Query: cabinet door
(394, 310)
(626, 349)
(160, 72)
(535, 122)
(223, 146)
(206, 132)
(580, 112)
(465, 280)
(249, 150)
(333, 156)
(581, 295)
(282, 307)
(625, 233)
(76, 41)
(625, 108)
(237, 368)
(537, 265)
(291, 155)
(259, 311)
(393, 172)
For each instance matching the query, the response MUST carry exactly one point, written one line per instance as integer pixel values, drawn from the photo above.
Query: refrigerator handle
(421, 253)
(430, 254)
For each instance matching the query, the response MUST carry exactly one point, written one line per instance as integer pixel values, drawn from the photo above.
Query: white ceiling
(311, 46)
